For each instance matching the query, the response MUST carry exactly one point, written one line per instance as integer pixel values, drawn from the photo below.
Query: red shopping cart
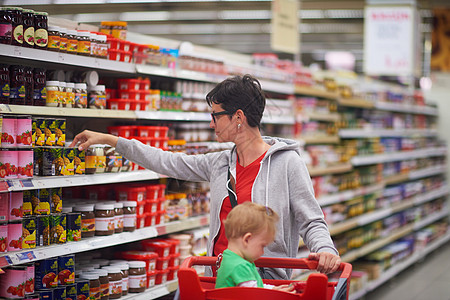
(316, 287)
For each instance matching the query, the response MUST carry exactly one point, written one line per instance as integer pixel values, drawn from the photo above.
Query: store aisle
(428, 279)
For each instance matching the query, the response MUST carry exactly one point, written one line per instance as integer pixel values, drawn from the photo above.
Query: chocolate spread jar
(104, 282)
(123, 266)
(104, 219)
(87, 219)
(115, 282)
(137, 276)
(118, 217)
(129, 215)
(94, 285)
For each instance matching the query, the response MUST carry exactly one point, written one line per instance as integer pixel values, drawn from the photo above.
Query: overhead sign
(285, 36)
(389, 40)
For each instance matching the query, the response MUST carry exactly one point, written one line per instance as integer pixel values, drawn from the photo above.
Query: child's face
(255, 245)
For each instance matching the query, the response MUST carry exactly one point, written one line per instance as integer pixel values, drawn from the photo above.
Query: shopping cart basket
(317, 287)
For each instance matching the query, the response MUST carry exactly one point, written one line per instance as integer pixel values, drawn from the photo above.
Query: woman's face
(224, 127)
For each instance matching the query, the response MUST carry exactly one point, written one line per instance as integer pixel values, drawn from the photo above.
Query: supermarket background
(362, 85)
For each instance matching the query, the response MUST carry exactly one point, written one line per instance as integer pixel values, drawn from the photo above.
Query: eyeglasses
(220, 113)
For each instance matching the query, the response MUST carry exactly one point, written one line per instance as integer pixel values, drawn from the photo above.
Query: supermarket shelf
(79, 180)
(320, 139)
(397, 178)
(407, 108)
(98, 242)
(178, 73)
(67, 112)
(173, 115)
(361, 160)
(274, 119)
(45, 56)
(347, 195)
(325, 117)
(369, 133)
(354, 102)
(400, 266)
(277, 87)
(154, 292)
(416, 174)
(434, 194)
(340, 168)
(314, 92)
(431, 219)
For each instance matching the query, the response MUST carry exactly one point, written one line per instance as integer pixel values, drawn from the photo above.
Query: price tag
(5, 261)
(5, 108)
(26, 183)
(4, 186)
(161, 230)
(17, 51)
(29, 255)
(60, 57)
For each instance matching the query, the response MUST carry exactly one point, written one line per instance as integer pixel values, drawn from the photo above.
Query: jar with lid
(137, 276)
(70, 94)
(5, 26)
(129, 215)
(84, 43)
(28, 28)
(15, 15)
(115, 281)
(17, 85)
(97, 97)
(4, 84)
(95, 159)
(94, 284)
(54, 38)
(104, 219)
(39, 87)
(105, 27)
(119, 30)
(72, 42)
(87, 219)
(40, 30)
(62, 94)
(80, 95)
(123, 266)
(118, 217)
(104, 282)
(102, 46)
(64, 40)
(94, 47)
(29, 85)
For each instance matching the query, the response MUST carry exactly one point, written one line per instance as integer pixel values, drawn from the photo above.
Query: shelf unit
(154, 292)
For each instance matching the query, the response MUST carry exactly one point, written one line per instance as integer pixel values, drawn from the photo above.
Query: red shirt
(245, 177)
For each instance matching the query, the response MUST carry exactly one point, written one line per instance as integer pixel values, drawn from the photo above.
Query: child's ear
(246, 237)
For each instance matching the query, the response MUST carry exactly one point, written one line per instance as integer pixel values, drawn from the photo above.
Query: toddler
(249, 227)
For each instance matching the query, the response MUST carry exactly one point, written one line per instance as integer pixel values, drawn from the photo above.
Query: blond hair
(250, 217)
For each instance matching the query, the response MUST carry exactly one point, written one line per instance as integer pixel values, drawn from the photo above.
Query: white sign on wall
(389, 40)
(285, 35)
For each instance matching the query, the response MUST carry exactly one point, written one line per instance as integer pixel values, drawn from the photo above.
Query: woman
(267, 171)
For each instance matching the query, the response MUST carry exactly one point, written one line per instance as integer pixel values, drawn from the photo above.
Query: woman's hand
(87, 138)
(285, 288)
(328, 262)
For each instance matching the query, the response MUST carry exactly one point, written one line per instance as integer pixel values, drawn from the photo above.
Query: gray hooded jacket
(283, 183)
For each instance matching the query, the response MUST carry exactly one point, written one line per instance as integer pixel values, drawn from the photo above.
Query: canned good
(66, 268)
(59, 293)
(8, 163)
(37, 157)
(46, 273)
(3, 237)
(71, 292)
(12, 285)
(29, 284)
(50, 132)
(42, 230)
(15, 203)
(24, 131)
(45, 294)
(82, 289)
(43, 207)
(56, 199)
(58, 228)
(25, 163)
(73, 227)
(27, 207)
(52, 161)
(29, 232)
(9, 131)
(79, 161)
(14, 236)
(60, 132)
(39, 129)
(69, 164)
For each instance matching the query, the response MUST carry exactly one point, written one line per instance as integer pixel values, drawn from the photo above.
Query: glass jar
(123, 266)
(5, 26)
(72, 42)
(137, 276)
(63, 41)
(62, 94)
(119, 30)
(104, 219)
(84, 43)
(80, 95)
(129, 215)
(4, 84)
(104, 282)
(40, 30)
(39, 86)
(102, 46)
(15, 14)
(17, 85)
(97, 97)
(105, 27)
(115, 282)
(94, 284)
(54, 38)
(118, 217)
(94, 44)
(28, 28)
(29, 85)
(70, 94)
(87, 219)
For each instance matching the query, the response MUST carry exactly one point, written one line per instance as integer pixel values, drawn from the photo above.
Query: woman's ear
(240, 114)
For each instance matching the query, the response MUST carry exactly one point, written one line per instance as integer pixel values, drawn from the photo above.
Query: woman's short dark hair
(240, 92)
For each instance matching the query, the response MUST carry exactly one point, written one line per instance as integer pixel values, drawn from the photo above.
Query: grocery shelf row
(400, 266)
(99, 242)
(374, 132)
(362, 160)
(349, 194)
(155, 292)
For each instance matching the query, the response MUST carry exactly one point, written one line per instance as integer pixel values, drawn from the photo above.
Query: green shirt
(235, 270)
